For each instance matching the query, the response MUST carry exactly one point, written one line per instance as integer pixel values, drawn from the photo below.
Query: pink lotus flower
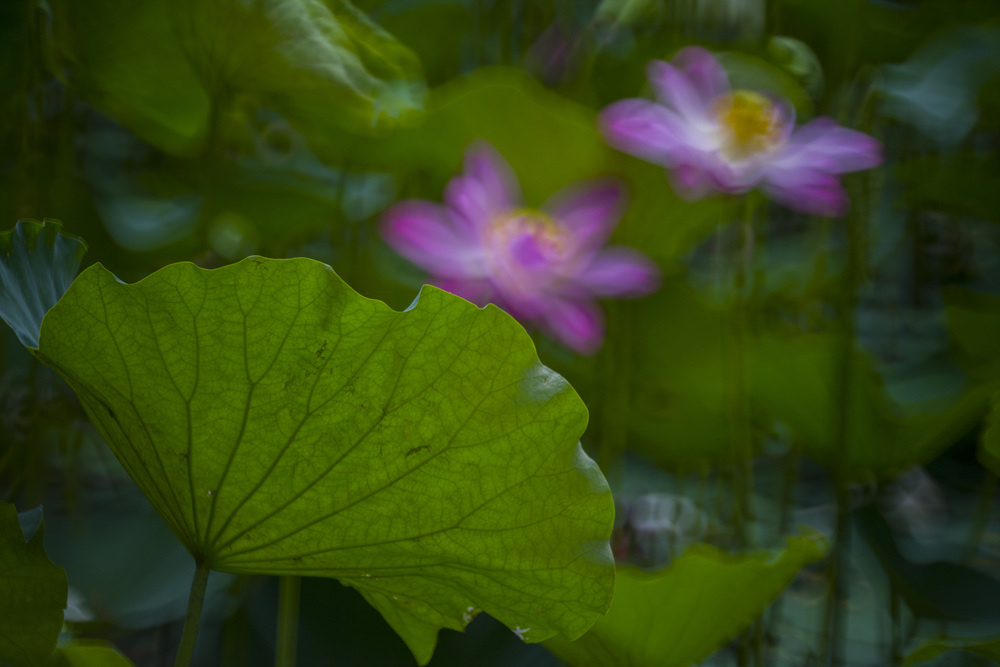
(716, 139)
(544, 267)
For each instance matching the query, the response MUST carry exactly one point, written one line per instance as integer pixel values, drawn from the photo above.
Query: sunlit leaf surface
(32, 595)
(37, 264)
(282, 424)
(80, 654)
(679, 616)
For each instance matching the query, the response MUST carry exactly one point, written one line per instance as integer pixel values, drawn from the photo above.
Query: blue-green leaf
(38, 261)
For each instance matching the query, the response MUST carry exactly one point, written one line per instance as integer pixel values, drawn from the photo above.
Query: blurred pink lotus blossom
(544, 267)
(715, 139)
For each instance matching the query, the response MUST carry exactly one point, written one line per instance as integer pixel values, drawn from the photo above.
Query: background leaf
(32, 595)
(989, 444)
(679, 616)
(553, 143)
(282, 424)
(988, 648)
(174, 72)
(89, 654)
(797, 378)
(38, 261)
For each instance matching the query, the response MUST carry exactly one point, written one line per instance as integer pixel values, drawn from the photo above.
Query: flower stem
(835, 617)
(614, 372)
(289, 588)
(896, 629)
(193, 616)
(986, 492)
(743, 475)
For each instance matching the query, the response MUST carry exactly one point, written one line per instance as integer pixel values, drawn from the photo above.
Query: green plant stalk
(192, 617)
(614, 371)
(895, 640)
(746, 285)
(834, 619)
(789, 484)
(986, 492)
(289, 592)
(743, 479)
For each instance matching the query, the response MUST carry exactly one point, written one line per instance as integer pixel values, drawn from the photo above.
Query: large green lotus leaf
(32, 595)
(280, 423)
(985, 647)
(680, 616)
(38, 261)
(169, 69)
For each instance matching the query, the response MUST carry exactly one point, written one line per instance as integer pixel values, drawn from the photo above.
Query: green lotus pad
(280, 423)
(681, 615)
(32, 595)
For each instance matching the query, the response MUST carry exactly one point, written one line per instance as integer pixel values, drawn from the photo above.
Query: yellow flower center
(546, 234)
(751, 121)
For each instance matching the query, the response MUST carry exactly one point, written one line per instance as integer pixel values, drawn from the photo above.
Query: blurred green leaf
(797, 378)
(989, 443)
(172, 71)
(440, 58)
(280, 423)
(120, 554)
(937, 590)
(750, 73)
(15, 18)
(38, 261)
(627, 13)
(89, 654)
(984, 646)
(724, 376)
(685, 380)
(961, 183)
(32, 595)
(550, 142)
(795, 57)
(680, 616)
(974, 321)
(876, 32)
